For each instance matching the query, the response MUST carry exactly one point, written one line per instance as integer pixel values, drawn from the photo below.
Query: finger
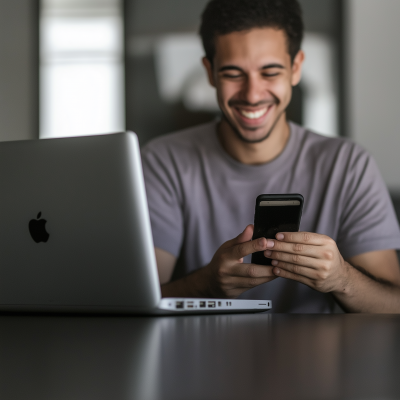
(294, 248)
(248, 283)
(298, 270)
(245, 236)
(244, 249)
(315, 239)
(251, 271)
(290, 275)
(295, 259)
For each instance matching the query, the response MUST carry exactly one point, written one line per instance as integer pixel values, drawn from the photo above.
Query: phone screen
(273, 216)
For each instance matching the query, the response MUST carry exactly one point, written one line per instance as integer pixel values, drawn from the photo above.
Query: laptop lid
(75, 230)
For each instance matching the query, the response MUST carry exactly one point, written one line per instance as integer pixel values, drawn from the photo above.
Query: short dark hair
(221, 17)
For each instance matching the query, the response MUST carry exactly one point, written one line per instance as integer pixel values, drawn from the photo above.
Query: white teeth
(253, 114)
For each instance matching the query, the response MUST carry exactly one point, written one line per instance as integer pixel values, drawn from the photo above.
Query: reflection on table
(245, 356)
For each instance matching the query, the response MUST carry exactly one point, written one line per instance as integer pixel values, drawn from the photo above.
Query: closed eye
(271, 74)
(271, 70)
(231, 72)
(231, 75)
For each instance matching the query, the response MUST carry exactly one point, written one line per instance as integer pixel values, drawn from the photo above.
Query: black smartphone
(275, 213)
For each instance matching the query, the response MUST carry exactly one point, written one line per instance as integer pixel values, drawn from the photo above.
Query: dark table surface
(242, 356)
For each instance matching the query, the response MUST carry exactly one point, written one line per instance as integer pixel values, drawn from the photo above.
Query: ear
(209, 69)
(297, 67)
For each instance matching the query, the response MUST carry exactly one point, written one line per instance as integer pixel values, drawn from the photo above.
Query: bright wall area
(81, 67)
(373, 77)
(18, 70)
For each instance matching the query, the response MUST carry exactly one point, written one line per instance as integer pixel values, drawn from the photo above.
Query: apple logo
(37, 229)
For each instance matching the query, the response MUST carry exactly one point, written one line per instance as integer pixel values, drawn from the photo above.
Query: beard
(239, 134)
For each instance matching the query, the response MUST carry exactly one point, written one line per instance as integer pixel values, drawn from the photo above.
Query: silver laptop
(75, 231)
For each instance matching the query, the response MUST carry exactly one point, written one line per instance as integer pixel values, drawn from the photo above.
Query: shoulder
(180, 152)
(324, 149)
(184, 140)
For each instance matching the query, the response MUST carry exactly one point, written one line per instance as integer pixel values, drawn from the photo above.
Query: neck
(254, 153)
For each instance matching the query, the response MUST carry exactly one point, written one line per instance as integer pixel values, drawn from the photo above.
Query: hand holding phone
(275, 213)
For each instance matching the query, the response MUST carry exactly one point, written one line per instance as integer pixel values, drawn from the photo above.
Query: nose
(253, 90)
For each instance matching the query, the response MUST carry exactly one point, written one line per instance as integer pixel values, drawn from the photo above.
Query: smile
(254, 114)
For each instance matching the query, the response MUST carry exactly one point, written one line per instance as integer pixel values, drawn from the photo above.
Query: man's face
(253, 74)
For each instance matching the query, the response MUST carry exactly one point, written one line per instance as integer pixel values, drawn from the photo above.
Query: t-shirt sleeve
(164, 199)
(368, 221)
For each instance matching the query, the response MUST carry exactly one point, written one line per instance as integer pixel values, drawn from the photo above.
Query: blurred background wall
(373, 84)
(19, 57)
(71, 67)
(81, 67)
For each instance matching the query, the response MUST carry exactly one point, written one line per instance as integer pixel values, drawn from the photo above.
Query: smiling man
(202, 183)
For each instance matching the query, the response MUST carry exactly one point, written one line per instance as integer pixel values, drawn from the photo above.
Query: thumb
(245, 236)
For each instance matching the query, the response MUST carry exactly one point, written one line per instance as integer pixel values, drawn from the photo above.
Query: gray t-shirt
(199, 197)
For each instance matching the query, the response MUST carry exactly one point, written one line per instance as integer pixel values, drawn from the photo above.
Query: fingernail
(274, 262)
(270, 243)
(267, 253)
(276, 271)
(280, 236)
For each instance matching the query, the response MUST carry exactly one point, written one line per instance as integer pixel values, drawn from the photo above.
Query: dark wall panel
(19, 55)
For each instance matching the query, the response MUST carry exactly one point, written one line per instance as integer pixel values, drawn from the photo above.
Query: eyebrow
(273, 66)
(234, 67)
(228, 67)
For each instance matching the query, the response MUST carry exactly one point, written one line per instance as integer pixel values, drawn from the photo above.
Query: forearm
(195, 284)
(362, 293)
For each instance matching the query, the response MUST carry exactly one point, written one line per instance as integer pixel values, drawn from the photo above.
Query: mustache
(233, 103)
